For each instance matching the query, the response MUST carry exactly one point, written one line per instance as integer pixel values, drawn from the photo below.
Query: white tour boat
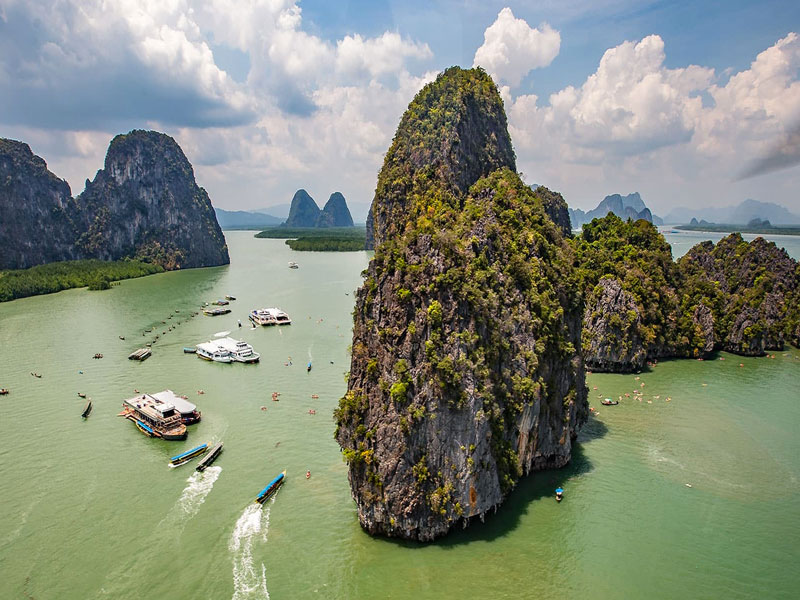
(213, 351)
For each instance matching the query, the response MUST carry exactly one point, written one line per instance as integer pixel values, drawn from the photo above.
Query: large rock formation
(640, 305)
(304, 212)
(750, 288)
(37, 211)
(335, 213)
(466, 371)
(145, 203)
(612, 324)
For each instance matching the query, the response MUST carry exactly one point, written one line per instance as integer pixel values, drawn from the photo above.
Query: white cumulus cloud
(511, 48)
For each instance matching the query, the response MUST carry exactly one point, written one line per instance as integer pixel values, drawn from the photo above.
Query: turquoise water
(682, 241)
(91, 509)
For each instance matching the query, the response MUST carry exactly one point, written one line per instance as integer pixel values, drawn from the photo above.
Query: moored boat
(293, 265)
(187, 350)
(4, 392)
(215, 312)
(209, 458)
(212, 351)
(270, 316)
(87, 409)
(271, 488)
(221, 302)
(239, 350)
(609, 402)
(185, 457)
(154, 417)
(188, 411)
(229, 297)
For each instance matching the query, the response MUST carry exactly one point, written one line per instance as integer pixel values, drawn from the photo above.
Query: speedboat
(293, 265)
(271, 488)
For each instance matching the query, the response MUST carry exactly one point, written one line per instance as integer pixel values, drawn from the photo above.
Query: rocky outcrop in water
(145, 203)
(641, 306)
(37, 211)
(466, 371)
(335, 213)
(751, 288)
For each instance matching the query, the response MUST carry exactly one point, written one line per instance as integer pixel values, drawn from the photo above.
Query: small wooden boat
(87, 409)
(4, 392)
(229, 297)
(215, 312)
(98, 355)
(185, 457)
(220, 302)
(145, 429)
(293, 265)
(209, 458)
(308, 368)
(559, 494)
(189, 350)
(609, 402)
(271, 488)
(81, 394)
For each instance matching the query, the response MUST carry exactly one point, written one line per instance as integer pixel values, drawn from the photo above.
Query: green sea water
(90, 509)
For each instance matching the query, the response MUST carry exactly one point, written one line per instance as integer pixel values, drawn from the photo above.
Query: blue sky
(675, 100)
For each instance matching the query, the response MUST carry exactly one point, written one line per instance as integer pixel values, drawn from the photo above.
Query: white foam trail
(195, 493)
(252, 525)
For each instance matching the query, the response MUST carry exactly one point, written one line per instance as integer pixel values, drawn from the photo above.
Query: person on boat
(308, 474)
(559, 494)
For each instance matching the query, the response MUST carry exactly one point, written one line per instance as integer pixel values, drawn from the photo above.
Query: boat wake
(253, 525)
(198, 486)
(194, 494)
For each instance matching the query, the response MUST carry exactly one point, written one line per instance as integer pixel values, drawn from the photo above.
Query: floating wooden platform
(140, 354)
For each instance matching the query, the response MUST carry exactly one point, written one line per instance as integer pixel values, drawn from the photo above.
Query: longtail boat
(144, 428)
(271, 488)
(185, 457)
(209, 458)
(87, 409)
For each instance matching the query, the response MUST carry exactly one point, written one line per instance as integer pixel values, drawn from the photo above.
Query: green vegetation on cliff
(465, 371)
(57, 276)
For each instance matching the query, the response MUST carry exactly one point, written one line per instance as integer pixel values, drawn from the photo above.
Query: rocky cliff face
(37, 212)
(146, 203)
(143, 204)
(612, 324)
(304, 212)
(335, 213)
(466, 371)
(751, 287)
(472, 138)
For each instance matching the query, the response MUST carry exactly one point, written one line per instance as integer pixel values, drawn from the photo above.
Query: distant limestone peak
(335, 213)
(304, 211)
(625, 207)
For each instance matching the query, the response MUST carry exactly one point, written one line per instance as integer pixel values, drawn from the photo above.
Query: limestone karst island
(303, 299)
